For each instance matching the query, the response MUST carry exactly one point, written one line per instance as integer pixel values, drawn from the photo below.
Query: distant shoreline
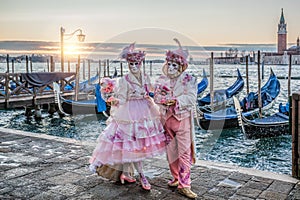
(111, 50)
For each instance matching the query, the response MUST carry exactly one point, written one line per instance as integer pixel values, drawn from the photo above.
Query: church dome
(294, 48)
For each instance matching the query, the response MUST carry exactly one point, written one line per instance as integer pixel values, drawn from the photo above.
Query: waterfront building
(281, 34)
(281, 57)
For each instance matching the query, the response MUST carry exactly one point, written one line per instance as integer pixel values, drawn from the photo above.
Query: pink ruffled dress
(134, 130)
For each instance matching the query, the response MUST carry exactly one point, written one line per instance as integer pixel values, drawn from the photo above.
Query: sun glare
(71, 50)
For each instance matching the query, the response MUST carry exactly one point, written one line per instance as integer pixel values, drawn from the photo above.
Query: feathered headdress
(179, 56)
(131, 55)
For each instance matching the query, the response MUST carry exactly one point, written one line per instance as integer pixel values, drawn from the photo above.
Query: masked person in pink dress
(176, 93)
(134, 131)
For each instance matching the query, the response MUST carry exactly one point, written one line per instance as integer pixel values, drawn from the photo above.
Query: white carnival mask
(134, 67)
(173, 68)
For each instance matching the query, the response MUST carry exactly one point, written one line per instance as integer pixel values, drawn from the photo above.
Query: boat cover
(203, 84)
(269, 92)
(40, 79)
(222, 95)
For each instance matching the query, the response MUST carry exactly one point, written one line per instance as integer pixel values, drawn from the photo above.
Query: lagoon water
(228, 146)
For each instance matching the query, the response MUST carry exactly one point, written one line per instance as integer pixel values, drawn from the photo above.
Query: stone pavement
(37, 166)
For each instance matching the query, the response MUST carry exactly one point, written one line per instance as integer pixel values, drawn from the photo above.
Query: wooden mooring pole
(289, 75)
(262, 66)
(104, 68)
(121, 66)
(295, 127)
(211, 78)
(150, 67)
(77, 78)
(247, 73)
(107, 65)
(30, 62)
(83, 69)
(52, 66)
(48, 65)
(13, 66)
(27, 69)
(89, 71)
(7, 63)
(259, 84)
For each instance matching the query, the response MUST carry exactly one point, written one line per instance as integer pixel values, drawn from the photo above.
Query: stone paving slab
(37, 166)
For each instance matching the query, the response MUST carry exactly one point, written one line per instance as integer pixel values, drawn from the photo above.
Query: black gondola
(270, 126)
(70, 107)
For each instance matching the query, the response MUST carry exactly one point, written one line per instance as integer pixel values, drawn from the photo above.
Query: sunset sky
(214, 22)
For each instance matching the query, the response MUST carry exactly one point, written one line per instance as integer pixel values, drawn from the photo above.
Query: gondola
(222, 96)
(269, 126)
(95, 105)
(227, 117)
(70, 107)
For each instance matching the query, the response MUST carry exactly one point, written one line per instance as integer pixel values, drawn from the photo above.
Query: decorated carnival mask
(134, 67)
(176, 61)
(173, 68)
(133, 57)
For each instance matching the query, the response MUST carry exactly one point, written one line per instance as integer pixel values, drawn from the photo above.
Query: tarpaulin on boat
(269, 92)
(222, 95)
(44, 78)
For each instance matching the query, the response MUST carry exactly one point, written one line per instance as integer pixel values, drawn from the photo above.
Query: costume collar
(179, 80)
(132, 79)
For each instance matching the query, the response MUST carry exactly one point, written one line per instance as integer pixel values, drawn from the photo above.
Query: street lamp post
(80, 38)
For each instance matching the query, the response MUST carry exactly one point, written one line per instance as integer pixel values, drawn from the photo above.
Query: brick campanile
(282, 34)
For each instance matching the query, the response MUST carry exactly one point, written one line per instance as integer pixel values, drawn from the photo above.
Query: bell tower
(282, 34)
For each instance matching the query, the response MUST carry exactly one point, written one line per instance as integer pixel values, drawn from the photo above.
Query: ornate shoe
(128, 179)
(145, 184)
(187, 192)
(173, 183)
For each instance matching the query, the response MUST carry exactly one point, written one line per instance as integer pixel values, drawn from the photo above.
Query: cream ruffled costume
(134, 131)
